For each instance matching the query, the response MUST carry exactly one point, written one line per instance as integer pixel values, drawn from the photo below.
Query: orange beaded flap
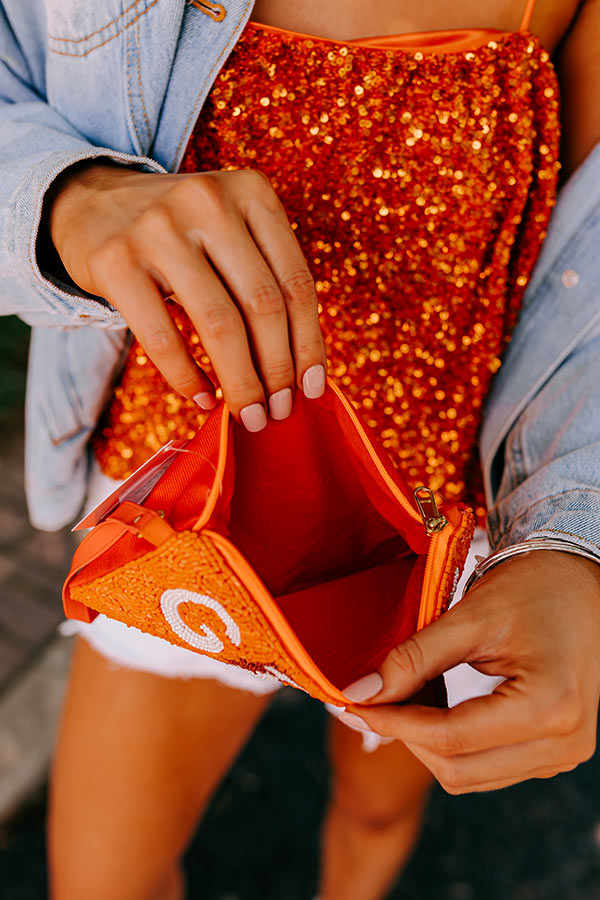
(296, 552)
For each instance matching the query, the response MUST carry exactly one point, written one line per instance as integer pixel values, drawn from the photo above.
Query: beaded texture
(186, 593)
(419, 186)
(188, 568)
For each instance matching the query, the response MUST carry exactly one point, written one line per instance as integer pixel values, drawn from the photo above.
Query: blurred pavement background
(536, 841)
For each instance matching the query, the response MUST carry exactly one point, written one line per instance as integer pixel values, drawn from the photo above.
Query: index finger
(136, 296)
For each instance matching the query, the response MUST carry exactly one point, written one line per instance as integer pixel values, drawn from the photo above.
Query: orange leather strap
(147, 523)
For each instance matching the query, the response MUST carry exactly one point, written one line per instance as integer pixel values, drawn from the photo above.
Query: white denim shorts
(126, 646)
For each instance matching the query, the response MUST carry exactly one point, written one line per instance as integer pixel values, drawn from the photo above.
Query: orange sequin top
(418, 174)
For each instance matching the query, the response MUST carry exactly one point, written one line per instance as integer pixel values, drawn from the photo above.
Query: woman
(432, 230)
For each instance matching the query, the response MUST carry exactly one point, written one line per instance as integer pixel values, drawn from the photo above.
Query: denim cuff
(65, 304)
(573, 515)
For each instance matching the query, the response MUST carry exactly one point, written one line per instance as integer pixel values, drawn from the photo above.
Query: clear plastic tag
(137, 487)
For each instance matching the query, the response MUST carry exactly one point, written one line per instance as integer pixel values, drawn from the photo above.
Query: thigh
(378, 786)
(137, 759)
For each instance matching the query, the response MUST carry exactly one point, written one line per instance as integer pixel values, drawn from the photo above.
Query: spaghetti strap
(527, 15)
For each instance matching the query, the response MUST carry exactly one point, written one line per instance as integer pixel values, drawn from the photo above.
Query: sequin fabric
(419, 185)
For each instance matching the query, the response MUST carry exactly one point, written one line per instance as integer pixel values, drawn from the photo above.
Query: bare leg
(374, 816)
(137, 760)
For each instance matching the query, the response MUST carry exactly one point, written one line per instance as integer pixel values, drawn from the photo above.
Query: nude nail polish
(254, 417)
(280, 404)
(364, 688)
(205, 400)
(353, 721)
(313, 382)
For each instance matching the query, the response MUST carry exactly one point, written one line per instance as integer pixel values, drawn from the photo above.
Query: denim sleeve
(549, 483)
(36, 145)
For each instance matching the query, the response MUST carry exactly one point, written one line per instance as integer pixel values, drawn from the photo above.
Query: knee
(373, 813)
(372, 819)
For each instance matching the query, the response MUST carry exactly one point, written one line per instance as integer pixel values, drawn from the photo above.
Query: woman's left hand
(534, 619)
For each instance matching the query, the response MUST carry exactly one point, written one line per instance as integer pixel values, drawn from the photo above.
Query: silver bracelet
(484, 564)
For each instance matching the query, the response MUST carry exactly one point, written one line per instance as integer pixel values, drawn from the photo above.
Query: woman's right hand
(222, 244)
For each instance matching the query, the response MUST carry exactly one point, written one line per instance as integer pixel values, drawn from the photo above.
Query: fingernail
(254, 417)
(313, 382)
(364, 688)
(280, 404)
(353, 721)
(205, 400)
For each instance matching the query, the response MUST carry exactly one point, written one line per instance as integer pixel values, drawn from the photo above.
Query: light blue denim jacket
(126, 79)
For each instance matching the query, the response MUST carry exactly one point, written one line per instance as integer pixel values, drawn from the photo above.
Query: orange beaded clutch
(295, 552)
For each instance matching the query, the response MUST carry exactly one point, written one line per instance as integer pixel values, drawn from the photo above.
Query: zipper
(433, 520)
(251, 578)
(215, 489)
(215, 11)
(381, 470)
(434, 523)
(390, 484)
(268, 606)
(428, 513)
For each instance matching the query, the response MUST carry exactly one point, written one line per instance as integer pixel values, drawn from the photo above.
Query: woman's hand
(222, 244)
(535, 620)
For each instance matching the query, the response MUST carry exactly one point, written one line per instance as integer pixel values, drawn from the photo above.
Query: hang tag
(137, 487)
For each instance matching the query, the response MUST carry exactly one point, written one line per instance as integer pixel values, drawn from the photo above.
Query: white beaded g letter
(210, 643)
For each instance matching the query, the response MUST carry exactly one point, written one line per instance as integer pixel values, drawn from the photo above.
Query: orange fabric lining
(304, 510)
(361, 617)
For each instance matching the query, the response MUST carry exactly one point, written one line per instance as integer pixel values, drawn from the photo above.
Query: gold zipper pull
(433, 520)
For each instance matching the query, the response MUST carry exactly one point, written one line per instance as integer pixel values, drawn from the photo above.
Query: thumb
(425, 655)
